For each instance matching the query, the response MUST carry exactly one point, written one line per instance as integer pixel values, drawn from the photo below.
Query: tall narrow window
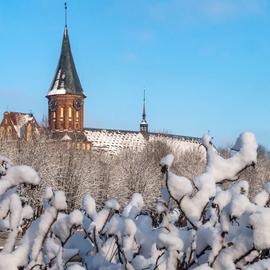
(77, 116)
(70, 113)
(62, 112)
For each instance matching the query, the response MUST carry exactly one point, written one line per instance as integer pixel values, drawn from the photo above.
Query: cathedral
(66, 117)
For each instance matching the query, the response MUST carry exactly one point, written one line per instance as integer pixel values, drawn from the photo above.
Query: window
(70, 113)
(61, 112)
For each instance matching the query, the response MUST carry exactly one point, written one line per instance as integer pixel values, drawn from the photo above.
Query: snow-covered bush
(104, 176)
(198, 224)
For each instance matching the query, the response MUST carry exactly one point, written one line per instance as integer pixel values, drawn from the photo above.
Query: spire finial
(144, 111)
(65, 14)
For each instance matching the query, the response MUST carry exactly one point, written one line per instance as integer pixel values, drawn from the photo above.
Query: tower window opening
(61, 112)
(70, 113)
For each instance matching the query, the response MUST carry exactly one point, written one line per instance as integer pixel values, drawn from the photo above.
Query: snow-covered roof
(20, 120)
(114, 141)
(66, 138)
(144, 122)
(61, 91)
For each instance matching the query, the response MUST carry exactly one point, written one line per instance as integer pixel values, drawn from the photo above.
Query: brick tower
(66, 97)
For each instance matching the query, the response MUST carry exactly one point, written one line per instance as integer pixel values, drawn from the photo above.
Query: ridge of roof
(176, 136)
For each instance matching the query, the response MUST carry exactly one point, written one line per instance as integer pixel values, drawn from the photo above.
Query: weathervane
(66, 14)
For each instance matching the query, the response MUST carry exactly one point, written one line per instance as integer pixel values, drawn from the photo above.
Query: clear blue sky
(205, 64)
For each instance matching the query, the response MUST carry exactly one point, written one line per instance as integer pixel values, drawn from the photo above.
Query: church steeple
(66, 79)
(65, 97)
(144, 124)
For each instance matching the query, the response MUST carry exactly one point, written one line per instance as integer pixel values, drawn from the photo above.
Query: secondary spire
(144, 111)
(144, 124)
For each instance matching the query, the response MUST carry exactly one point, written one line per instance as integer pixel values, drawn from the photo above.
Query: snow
(260, 221)
(66, 138)
(113, 204)
(75, 267)
(18, 175)
(199, 224)
(167, 160)
(89, 206)
(59, 200)
(60, 91)
(113, 141)
(179, 186)
(203, 267)
(134, 206)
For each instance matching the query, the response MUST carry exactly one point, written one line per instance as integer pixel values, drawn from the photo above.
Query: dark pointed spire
(144, 111)
(144, 124)
(66, 79)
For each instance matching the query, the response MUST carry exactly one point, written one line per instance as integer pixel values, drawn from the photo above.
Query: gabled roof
(66, 79)
(20, 120)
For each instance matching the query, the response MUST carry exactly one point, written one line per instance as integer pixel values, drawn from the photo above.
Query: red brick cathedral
(66, 117)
